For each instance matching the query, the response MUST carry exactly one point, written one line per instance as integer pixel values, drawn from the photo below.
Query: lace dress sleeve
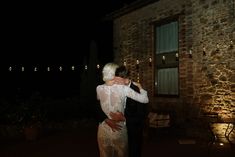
(141, 97)
(103, 95)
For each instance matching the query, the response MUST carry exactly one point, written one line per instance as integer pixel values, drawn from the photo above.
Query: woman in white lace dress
(112, 98)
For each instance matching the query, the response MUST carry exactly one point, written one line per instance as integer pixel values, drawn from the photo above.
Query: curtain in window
(167, 82)
(167, 37)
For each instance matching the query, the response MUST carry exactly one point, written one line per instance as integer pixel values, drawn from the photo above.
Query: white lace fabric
(113, 99)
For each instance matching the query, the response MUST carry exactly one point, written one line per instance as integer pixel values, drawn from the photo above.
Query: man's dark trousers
(135, 113)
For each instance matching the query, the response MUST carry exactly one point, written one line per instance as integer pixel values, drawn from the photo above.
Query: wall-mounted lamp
(138, 77)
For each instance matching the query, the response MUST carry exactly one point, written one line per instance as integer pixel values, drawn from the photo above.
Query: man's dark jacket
(135, 114)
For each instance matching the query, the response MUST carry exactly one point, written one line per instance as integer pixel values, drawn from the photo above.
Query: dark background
(52, 34)
(56, 32)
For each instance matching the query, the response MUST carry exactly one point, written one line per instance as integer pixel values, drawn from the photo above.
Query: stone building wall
(213, 28)
(207, 80)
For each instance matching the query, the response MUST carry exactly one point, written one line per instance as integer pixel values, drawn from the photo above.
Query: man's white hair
(109, 71)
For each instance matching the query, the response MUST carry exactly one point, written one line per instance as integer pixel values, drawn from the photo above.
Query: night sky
(52, 34)
(56, 32)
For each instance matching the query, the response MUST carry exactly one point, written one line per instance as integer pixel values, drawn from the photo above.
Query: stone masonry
(207, 27)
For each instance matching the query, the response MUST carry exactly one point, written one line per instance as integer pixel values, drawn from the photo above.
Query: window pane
(167, 81)
(167, 37)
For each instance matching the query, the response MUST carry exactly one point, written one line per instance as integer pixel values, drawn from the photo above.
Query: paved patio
(81, 142)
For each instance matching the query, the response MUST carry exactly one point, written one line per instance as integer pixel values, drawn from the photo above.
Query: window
(166, 57)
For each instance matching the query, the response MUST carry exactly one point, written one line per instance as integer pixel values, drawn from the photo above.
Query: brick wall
(207, 80)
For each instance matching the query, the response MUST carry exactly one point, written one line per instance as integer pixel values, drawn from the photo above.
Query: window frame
(158, 57)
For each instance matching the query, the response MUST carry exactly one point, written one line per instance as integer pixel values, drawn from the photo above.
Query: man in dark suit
(135, 114)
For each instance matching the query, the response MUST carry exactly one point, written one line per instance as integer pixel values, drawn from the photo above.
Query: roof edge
(127, 9)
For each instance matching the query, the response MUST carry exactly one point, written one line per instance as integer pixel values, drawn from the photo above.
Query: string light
(231, 44)
(190, 53)
(176, 56)
(137, 61)
(137, 64)
(150, 61)
(204, 51)
(22, 68)
(60, 68)
(163, 59)
(138, 77)
(73, 68)
(35, 69)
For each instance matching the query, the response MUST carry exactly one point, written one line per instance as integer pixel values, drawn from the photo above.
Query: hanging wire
(85, 67)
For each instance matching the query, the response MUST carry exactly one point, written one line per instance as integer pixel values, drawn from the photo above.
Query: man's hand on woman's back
(113, 123)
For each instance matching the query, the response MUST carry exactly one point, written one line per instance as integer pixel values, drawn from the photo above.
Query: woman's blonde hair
(109, 71)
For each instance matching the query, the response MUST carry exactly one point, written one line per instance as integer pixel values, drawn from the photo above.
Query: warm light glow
(124, 63)
(221, 144)
(190, 52)
(138, 77)
(98, 66)
(137, 61)
(150, 59)
(231, 44)
(163, 57)
(72, 67)
(176, 55)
